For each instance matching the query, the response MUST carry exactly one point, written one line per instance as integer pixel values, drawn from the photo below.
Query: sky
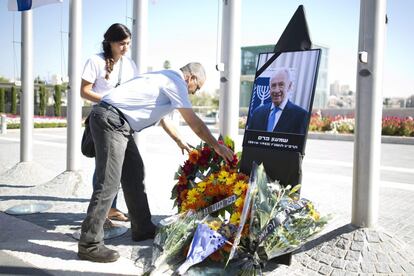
(187, 30)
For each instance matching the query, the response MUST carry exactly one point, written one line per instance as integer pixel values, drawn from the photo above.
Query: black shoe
(99, 254)
(148, 233)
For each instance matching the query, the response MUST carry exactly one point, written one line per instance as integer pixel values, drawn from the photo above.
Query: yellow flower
(211, 178)
(235, 218)
(223, 175)
(230, 180)
(183, 207)
(214, 225)
(201, 186)
(239, 202)
(192, 196)
(240, 187)
(315, 215)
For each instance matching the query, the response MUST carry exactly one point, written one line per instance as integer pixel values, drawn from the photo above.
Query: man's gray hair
(195, 69)
(285, 70)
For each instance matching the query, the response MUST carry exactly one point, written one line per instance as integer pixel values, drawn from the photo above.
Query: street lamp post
(367, 147)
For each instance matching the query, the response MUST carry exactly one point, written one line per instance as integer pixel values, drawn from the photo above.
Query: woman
(105, 71)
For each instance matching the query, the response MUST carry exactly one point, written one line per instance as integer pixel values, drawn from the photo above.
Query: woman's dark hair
(117, 32)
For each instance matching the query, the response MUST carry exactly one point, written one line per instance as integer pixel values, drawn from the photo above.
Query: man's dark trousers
(117, 160)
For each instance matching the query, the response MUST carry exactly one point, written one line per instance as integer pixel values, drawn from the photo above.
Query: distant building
(395, 102)
(341, 96)
(334, 88)
(249, 57)
(409, 101)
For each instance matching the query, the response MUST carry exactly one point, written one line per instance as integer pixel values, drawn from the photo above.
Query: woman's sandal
(115, 214)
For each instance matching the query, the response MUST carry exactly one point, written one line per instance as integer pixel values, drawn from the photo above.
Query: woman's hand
(183, 146)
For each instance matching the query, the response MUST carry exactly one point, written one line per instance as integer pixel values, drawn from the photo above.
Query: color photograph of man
(280, 115)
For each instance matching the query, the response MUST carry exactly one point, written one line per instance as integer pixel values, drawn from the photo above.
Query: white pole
(27, 99)
(74, 111)
(230, 76)
(368, 110)
(3, 124)
(140, 34)
(139, 44)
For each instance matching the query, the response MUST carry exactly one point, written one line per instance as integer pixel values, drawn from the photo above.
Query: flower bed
(392, 126)
(13, 121)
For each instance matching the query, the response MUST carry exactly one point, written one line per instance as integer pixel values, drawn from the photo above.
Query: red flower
(205, 152)
(188, 167)
(182, 180)
(203, 161)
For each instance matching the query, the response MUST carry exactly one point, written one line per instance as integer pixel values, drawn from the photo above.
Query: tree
(13, 100)
(57, 97)
(3, 79)
(2, 101)
(38, 80)
(167, 64)
(43, 96)
(205, 99)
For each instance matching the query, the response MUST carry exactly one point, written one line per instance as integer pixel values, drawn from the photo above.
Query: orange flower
(193, 156)
(216, 256)
(227, 247)
(245, 231)
(222, 189)
(211, 190)
(183, 195)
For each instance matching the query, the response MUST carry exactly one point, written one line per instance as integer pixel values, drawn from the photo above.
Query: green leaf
(229, 142)
(295, 189)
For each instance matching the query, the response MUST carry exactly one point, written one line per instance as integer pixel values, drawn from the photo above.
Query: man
(281, 115)
(133, 106)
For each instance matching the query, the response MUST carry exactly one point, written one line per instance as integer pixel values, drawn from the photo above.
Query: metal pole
(230, 76)
(27, 99)
(139, 43)
(3, 124)
(368, 110)
(140, 34)
(74, 111)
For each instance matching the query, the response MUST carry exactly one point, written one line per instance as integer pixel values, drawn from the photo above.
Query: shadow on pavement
(45, 198)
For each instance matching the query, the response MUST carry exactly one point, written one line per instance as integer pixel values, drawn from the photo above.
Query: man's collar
(281, 106)
(179, 72)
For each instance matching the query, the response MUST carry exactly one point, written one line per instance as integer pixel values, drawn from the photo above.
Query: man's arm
(173, 133)
(199, 128)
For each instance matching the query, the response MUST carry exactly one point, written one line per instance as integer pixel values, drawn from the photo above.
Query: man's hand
(224, 152)
(169, 127)
(199, 128)
(183, 146)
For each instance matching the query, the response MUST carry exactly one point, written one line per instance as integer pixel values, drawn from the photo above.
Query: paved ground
(41, 244)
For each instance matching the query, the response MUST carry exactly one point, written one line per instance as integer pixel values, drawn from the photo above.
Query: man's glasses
(198, 85)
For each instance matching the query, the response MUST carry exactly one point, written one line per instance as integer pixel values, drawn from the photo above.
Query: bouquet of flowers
(226, 216)
(280, 220)
(201, 178)
(174, 235)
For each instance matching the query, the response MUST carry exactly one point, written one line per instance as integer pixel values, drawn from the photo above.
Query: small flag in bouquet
(205, 242)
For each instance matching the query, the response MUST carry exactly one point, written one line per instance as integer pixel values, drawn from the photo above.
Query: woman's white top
(94, 72)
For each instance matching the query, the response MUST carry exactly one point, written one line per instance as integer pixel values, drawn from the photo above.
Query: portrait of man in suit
(280, 115)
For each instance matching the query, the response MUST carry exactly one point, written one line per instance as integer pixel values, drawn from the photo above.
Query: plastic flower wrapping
(229, 221)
